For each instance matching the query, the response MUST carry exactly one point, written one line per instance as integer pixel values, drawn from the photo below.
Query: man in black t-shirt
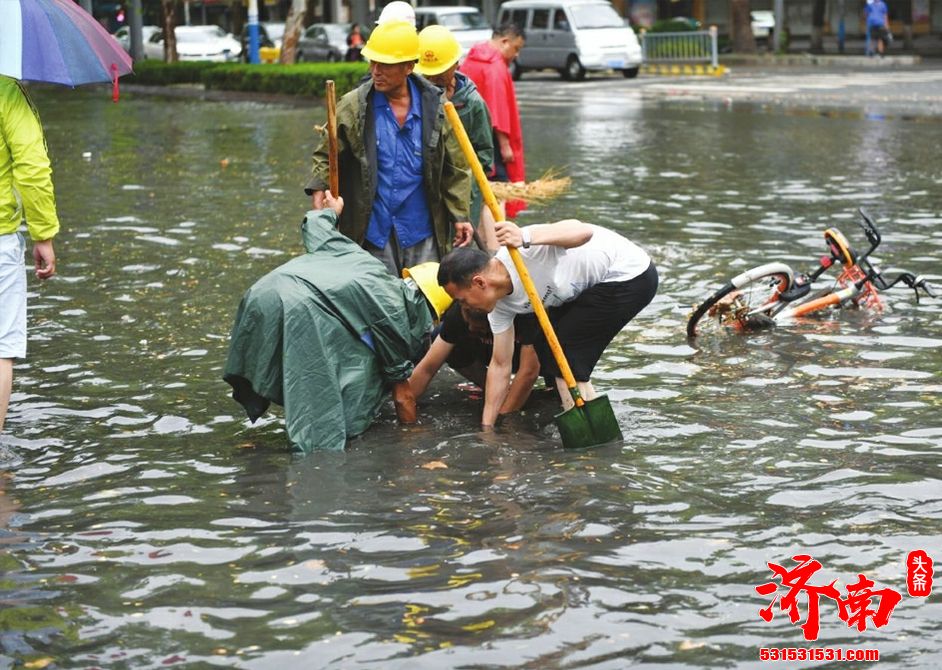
(465, 343)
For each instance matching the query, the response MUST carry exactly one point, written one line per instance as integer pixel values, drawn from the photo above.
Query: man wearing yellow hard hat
(406, 183)
(329, 334)
(439, 53)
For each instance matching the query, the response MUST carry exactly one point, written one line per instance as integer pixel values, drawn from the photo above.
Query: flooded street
(144, 523)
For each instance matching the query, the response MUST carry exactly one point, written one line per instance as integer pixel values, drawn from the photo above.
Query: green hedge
(675, 26)
(158, 73)
(300, 79)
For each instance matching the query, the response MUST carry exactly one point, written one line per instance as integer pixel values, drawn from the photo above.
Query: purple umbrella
(57, 41)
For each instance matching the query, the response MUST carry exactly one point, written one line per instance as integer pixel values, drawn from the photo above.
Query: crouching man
(328, 334)
(592, 280)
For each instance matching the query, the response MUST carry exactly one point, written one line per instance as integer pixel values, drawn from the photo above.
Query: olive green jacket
(477, 123)
(446, 174)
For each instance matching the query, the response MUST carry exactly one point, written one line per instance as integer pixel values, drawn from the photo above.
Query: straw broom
(549, 186)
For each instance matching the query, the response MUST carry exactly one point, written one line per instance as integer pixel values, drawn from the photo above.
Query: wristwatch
(525, 232)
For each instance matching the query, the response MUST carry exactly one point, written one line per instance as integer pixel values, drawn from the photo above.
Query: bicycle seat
(839, 246)
(799, 289)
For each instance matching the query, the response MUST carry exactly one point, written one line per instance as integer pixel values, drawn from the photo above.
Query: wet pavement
(147, 525)
(909, 92)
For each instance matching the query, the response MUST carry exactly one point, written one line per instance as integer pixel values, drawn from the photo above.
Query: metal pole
(715, 56)
(841, 30)
(779, 11)
(253, 31)
(135, 25)
(186, 12)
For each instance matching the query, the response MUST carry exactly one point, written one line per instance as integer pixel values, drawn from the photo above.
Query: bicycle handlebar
(870, 230)
(908, 278)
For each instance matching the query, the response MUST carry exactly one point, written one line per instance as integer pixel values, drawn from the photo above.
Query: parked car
(323, 42)
(271, 34)
(467, 23)
(572, 36)
(763, 23)
(123, 35)
(197, 43)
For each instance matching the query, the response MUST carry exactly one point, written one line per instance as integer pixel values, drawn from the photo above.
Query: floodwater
(145, 524)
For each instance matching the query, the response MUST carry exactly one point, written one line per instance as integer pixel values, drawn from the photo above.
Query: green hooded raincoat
(323, 335)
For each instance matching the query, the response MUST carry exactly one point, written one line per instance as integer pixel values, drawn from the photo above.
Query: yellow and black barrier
(683, 70)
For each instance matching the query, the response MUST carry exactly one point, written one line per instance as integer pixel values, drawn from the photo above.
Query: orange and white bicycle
(773, 293)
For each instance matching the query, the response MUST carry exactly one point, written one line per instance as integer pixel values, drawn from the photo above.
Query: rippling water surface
(144, 523)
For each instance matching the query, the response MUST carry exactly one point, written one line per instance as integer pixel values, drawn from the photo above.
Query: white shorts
(12, 296)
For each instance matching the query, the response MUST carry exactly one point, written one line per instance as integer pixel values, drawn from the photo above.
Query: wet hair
(510, 30)
(459, 265)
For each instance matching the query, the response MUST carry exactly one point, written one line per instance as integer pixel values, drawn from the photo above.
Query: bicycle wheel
(750, 299)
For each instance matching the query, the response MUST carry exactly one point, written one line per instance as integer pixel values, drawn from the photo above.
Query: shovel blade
(590, 425)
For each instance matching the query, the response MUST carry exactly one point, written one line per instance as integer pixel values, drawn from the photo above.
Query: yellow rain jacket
(24, 166)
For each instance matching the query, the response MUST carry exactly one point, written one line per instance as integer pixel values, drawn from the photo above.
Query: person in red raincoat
(487, 66)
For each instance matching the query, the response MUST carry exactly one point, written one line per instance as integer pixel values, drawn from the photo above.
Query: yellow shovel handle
(491, 203)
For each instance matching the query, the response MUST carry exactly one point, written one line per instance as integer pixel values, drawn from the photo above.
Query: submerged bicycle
(772, 293)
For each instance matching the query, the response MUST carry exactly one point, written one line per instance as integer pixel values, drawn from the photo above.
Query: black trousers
(587, 325)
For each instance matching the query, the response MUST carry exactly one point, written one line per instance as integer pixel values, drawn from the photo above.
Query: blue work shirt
(400, 192)
(876, 13)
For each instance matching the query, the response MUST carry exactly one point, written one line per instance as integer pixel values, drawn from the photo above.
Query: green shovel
(589, 423)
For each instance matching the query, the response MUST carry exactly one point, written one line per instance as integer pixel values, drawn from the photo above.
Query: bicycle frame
(772, 293)
(854, 279)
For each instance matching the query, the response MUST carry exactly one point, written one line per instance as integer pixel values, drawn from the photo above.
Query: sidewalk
(926, 49)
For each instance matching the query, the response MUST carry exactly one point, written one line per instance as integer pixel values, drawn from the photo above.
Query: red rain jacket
(488, 70)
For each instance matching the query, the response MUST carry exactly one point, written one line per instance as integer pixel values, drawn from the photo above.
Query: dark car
(323, 42)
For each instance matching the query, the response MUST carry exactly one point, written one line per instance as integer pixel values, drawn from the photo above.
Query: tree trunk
(168, 10)
(817, 26)
(741, 27)
(236, 17)
(311, 7)
(907, 19)
(293, 27)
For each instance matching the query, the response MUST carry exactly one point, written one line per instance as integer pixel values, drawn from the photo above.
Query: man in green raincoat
(327, 334)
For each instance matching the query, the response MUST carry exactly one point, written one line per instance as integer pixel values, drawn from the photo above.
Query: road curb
(684, 70)
(821, 60)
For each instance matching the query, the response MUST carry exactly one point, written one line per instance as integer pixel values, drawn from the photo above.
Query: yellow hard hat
(425, 276)
(392, 42)
(438, 50)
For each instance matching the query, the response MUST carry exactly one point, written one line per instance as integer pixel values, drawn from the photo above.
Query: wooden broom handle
(333, 167)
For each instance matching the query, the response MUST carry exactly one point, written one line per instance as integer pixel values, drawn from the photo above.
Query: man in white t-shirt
(592, 281)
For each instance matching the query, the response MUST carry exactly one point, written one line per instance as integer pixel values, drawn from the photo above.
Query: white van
(572, 36)
(466, 23)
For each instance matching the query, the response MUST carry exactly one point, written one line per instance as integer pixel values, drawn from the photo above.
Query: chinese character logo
(796, 581)
(862, 604)
(856, 609)
(919, 574)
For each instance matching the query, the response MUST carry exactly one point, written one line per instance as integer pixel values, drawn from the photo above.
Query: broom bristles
(549, 186)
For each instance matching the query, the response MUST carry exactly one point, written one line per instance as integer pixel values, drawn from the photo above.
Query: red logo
(919, 574)
(862, 603)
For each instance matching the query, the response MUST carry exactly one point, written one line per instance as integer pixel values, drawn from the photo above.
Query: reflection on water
(145, 524)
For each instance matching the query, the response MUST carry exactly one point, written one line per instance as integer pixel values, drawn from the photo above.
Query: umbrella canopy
(57, 41)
